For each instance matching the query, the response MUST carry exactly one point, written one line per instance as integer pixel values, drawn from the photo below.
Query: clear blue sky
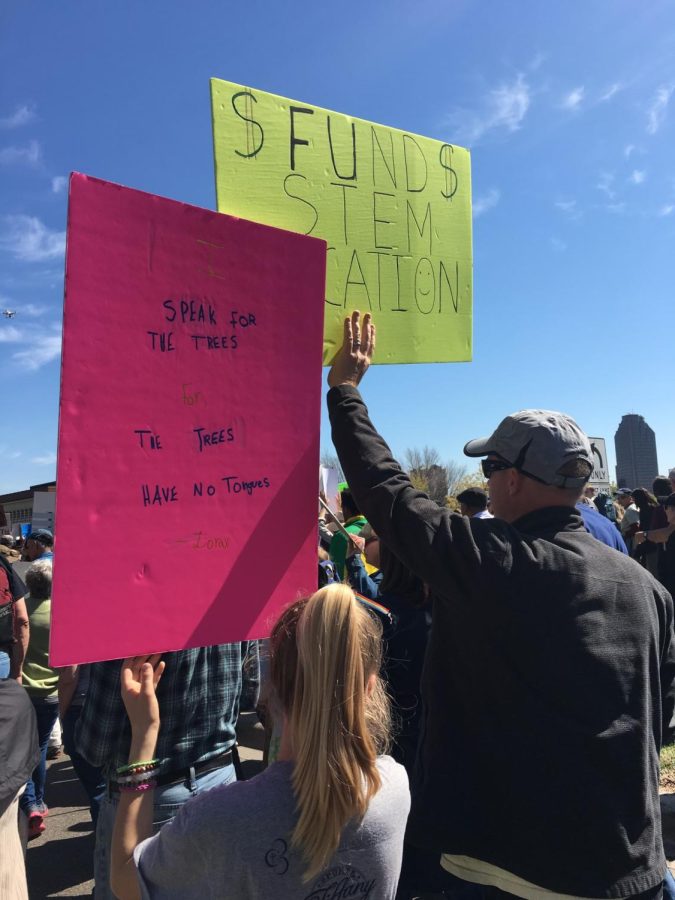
(569, 110)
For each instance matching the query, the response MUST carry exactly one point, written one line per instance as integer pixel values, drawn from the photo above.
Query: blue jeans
(669, 886)
(4, 665)
(91, 777)
(33, 798)
(168, 800)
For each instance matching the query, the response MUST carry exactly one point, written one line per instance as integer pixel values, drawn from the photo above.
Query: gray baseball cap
(538, 442)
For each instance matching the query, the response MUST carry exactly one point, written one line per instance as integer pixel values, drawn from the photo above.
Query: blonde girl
(326, 820)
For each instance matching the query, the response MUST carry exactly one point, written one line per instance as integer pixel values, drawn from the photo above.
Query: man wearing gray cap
(546, 679)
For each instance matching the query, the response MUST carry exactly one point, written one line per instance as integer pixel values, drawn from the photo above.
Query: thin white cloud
(611, 91)
(44, 348)
(667, 210)
(628, 150)
(605, 184)
(573, 100)
(504, 107)
(28, 239)
(616, 207)
(485, 202)
(10, 334)
(22, 115)
(38, 344)
(637, 176)
(558, 245)
(47, 460)
(58, 183)
(6, 453)
(32, 310)
(658, 108)
(569, 208)
(30, 155)
(537, 62)
(510, 103)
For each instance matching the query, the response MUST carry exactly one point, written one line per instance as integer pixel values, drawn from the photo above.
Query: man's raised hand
(355, 355)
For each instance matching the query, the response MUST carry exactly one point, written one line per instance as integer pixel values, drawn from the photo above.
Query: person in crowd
(661, 490)
(19, 755)
(669, 555)
(473, 502)
(199, 697)
(665, 538)
(325, 532)
(327, 570)
(588, 496)
(671, 478)
(406, 597)
(650, 517)
(629, 523)
(406, 620)
(364, 549)
(39, 545)
(354, 522)
(547, 681)
(14, 624)
(325, 820)
(41, 683)
(72, 690)
(7, 548)
(605, 506)
(601, 527)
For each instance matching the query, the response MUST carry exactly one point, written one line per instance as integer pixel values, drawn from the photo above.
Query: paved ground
(59, 862)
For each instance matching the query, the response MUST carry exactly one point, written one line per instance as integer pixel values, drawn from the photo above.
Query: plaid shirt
(198, 699)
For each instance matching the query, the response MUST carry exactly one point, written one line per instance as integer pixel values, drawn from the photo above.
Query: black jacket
(19, 749)
(549, 657)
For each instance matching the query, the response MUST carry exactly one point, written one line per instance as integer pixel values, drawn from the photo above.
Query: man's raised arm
(406, 519)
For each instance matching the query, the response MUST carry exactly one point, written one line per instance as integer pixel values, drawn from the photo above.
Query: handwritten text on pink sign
(189, 425)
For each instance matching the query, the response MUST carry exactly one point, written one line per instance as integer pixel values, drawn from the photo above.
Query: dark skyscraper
(635, 444)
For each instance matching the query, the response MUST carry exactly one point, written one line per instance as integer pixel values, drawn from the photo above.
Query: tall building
(635, 444)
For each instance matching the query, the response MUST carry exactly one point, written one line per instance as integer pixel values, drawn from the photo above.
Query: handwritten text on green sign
(394, 207)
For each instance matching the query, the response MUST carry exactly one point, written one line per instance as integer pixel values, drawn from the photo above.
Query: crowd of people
(471, 705)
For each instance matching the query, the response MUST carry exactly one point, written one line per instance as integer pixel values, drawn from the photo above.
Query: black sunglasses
(490, 466)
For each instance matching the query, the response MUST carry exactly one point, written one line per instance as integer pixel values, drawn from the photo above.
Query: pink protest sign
(189, 425)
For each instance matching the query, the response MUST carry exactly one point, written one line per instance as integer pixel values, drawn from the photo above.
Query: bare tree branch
(430, 475)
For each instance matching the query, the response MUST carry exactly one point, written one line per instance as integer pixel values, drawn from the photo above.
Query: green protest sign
(394, 207)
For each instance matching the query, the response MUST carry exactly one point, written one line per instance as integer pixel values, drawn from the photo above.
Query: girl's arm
(133, 820)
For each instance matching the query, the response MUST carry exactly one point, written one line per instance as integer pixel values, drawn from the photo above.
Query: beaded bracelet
(137, 766)
(137, 777)
(137, 788)
(141, 770)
